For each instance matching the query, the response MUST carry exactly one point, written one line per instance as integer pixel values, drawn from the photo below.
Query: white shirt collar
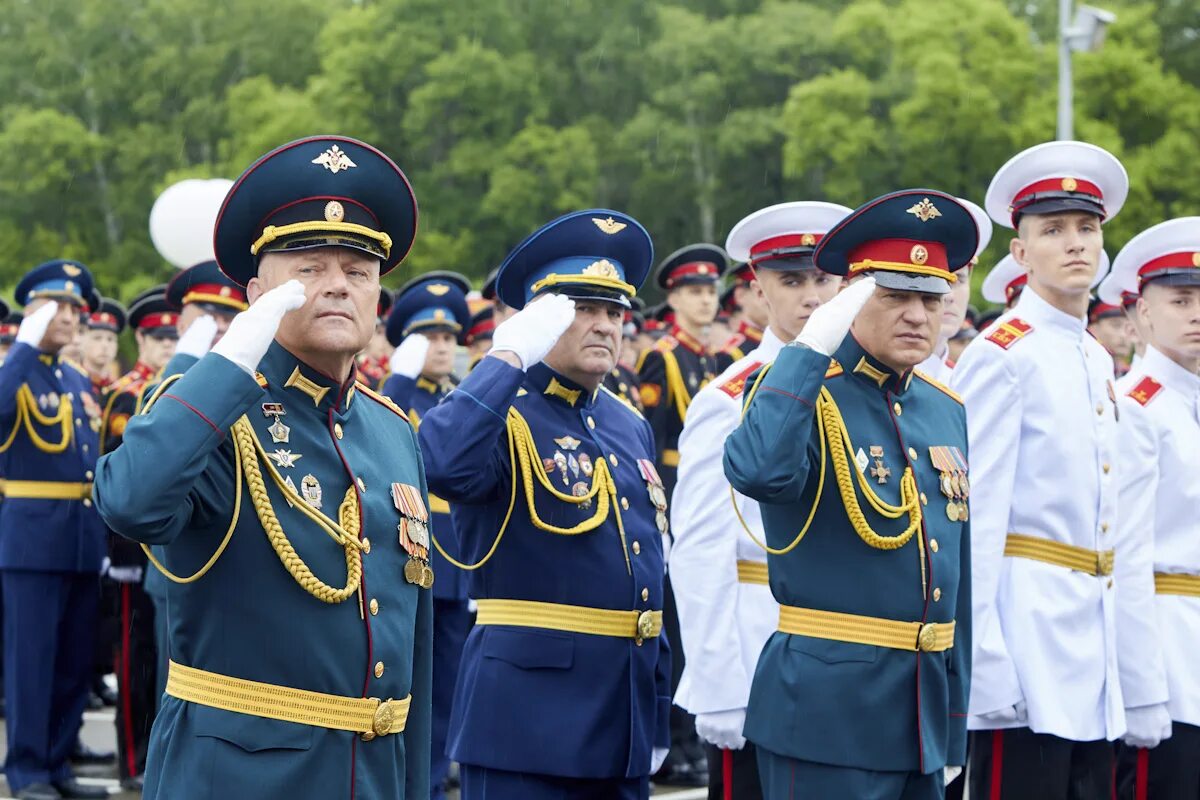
(1157, 365)
(1036, 311)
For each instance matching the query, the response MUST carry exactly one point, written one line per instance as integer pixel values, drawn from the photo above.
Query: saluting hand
(252, 331)
(533, 331)
(197, 340)
(409, 358)
(33, 327)
(830, 323)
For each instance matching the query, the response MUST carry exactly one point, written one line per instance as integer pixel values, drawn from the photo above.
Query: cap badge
(610, 225)
(1069, 184)
(602, 268)
(334, 160)
(164, 319)
(437, 289)
(924, 210)
(918, 255)
(439, 315)
(808, 240)
(71, 270)
(1196, 259)
(334, 211)
(225, 291)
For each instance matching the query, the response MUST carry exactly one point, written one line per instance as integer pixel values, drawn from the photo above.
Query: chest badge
(658, 494)
(286, 459)
(414, 533)
(952, 480)
(279, 432)
(310, 490)
(880, 472)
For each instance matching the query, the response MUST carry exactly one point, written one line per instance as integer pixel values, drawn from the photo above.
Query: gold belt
(1177, 583)
(752, 572)
(928, 637)
(437, 505)
(368, 716)
(1095, 563)
(46, 490)
(670, 458)
(637, 625)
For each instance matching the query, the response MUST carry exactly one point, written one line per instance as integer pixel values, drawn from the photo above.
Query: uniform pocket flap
(830, 651)
(250, 733)
(530, 649)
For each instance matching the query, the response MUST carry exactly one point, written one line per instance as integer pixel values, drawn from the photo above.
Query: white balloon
(183, 218)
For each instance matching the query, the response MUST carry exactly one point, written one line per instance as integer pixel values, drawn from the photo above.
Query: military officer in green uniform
(287, 502)
(859, 465)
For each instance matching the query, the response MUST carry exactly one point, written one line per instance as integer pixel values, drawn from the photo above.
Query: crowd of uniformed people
(812, 527)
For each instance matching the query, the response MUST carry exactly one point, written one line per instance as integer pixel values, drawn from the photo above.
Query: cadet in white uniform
(1046, 698)
(726, 610)
(1160, 437)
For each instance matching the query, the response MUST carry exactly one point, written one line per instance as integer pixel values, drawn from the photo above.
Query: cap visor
(583, 292)
(1183, 277)
(1055, 205)
(905, 282)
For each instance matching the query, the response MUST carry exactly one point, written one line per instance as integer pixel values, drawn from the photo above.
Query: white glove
(533, 331)
(830, 323)
(1147, 726)
(949, 773)
(1005, 717)
(722, 729)
(252, 331)
(198, 338)
(409, 358)
(657, 756)
(33, 328)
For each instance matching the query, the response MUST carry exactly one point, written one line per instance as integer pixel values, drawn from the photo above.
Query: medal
(952, 511)
(548, 465)
(573, 464)
(279, 432)
(560, 461)
(585, 464)
(285, 459)
(660, 520)
(413, 530)
(310, 490)
(580, 489)
(567, 443)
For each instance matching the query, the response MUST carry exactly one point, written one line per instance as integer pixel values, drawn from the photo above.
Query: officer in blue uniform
(51, 540)
(427, 323)
(564, 686)
(859, 466)
(270, 478)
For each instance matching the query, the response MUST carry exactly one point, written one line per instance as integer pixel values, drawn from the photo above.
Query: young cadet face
(588, 350)
(342, 286)
(695, 304)
(1061, 251)
(1114, 333)
(754, 307)
(792, 295)
(64, 328)
(1171, 317)
(954, 305)
(897, 327)
(192, 312)
(154, 351)
(99, 348)
(439, 360)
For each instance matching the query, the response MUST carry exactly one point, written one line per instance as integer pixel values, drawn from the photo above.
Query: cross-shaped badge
(879, 472)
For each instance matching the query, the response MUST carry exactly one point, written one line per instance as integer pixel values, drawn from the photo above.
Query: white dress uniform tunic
(1043, 441)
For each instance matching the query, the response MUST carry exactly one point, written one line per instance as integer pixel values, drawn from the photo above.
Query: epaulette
(1009, 331)
(737, 384)
(666, 344)
(383, 400)
(261, 379)
(1146, 390)
(834, 370)
(622, 401)
(78, 368)
(941, 387)
(122, 383)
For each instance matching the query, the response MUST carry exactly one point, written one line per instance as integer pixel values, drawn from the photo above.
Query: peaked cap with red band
(107, 315)
(783, 236)
(695, 263)
(1057, 176)
(151, 314)
(1167, 253)
(1004, 283)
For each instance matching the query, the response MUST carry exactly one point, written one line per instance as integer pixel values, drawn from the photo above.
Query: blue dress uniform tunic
(532, 699)
(248, 618)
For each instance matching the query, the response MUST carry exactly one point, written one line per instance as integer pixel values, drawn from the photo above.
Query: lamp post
(1085, 34)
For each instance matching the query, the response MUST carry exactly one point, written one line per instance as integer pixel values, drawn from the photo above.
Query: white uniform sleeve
(704, 560)
(1139, 655)
(991, 392)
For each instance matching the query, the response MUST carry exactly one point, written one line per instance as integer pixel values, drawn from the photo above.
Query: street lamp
(1084, 35)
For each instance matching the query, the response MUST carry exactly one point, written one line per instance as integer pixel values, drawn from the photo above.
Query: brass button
(85, 448)
(366, 545)
(337, 429)
(1099, 409)
(937, 595)
(378, 669)
(58, 373)
(1110, 583)
(87, 502)
(933, 545)
(924, 499)
(645, 594)
(612, 459)
(623, 387)
(1106, 468)
(374, 606)
(896, 408)
(625, 503)
(591, 422)
(912, 454)
(362, 486)
(1104, 527)
(88, 475)
(78, 421)
(637, 548)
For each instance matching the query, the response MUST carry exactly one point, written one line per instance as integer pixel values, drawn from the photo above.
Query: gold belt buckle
(927, 637)
(646, 627)
(1104, 562)
(381, 725)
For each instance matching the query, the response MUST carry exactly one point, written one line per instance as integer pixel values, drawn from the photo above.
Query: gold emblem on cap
(610, 225)
(334, 211)
(71, 270)
(918, 255)
(1069, 184)
(437, 289)
(602, 268)
(334, 160)
(1196, 259)
(164, 319)
(924, 210)
(439, 315)
(808, 240)
(225, 291)
(702, 269)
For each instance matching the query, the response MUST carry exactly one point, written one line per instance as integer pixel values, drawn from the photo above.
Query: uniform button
(87, 502)
(337, 429)
(937, 595)
(85, 448)
(78, 421)
(374, 606)
(623, 387)
(924, 499)
(1110, 583)
(362, 487)
(896, 408)
(612, 459)
(1099, 409)
(1104, 527)
(88, 475)
(912, 454)
(933, 545)
(366, 545)
(645, 594)
(625, 503)
(1106, 468)
(591, 422)
(378, 669)
(637, 548)
(58, 373)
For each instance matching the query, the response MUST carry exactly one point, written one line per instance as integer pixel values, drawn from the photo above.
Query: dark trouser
(136, 665)
(481, 783)
(452, 622)
(1018, 764)
(49, 630)
(1170, 771)
(786, 778)
(733, 774)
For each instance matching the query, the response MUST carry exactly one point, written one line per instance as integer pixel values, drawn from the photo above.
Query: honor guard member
(1046, 697)
(563, 691)
(426, 326)
(622, 380)
(287, 504)
(1113, 292)
(8, 329)
(1110, 327)
(103, 326)
(859, 468)
(751, 318)
(1003, 285)
(719, 574)
(373, 362)
(50, 421)
(478, 336)
(153, 322)
(1159, 438)
(500, 311)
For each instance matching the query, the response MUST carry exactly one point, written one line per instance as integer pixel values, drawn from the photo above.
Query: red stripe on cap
(163, 319)
(901, 251)
(484, 326)
(692, 268)
(1128, 299)
(1074, 185)
(787, 240)
(1015, 285)
(1185, 260)
(1100, 309)
(104, 318)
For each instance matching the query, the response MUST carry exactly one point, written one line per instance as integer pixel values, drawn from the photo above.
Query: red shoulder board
(737, 384)
(1008, 332)
(1146, 390)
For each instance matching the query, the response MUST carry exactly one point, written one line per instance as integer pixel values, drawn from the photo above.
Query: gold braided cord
(28, 413)
(675, 385)
(554, 279)
(900, 266)
(273, 232)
